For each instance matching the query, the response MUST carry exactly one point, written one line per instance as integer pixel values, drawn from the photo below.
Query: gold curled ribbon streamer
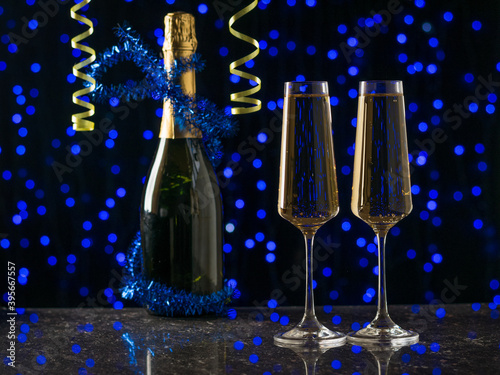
(243, 96)
(80, 123)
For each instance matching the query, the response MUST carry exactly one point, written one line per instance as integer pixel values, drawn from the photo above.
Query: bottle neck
(170, 127)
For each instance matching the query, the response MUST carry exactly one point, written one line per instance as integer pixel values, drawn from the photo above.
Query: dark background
(427, 252)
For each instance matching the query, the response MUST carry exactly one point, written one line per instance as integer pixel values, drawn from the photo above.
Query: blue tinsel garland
(159, 84)
(165, 300)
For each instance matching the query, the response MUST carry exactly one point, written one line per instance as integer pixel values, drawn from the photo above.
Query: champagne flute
(308, 195)
(381, 189)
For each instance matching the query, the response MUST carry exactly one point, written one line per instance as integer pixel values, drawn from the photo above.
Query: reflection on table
(129, 341)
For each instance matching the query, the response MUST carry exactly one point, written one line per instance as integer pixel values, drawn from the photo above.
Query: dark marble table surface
(129, 341)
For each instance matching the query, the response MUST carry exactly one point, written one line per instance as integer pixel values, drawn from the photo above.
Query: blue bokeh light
(437, 258)
(441, 312)
(41, 360)
(202, 8)
(438, 104)
(431, 68)
(478, 224)
(353, 71)
(401, 38)
(336, 364)
(223, 51)
(476, 25)
(270, 257)
(261, 185)
(361, 242)
(423, 127)
(408, 19)
(70, 268)
(332, 54)
(249, 243)
(45, 240)
(346, 226)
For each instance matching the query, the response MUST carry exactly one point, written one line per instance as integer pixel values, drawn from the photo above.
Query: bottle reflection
(149, 360)
(159, 353)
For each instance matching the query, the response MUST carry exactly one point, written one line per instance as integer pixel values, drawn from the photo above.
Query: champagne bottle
(181, 210)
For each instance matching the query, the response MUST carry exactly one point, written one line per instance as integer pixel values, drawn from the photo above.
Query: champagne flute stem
(382, 310)
(309, 312)
(382, 368)
(310, 367)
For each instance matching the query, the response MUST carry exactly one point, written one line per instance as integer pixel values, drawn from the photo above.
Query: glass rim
(382, 81)
(386, 86)
(306, 82)
(306, 88)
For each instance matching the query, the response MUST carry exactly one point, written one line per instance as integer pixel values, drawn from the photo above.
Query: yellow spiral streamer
(243, 96)
(80, 123)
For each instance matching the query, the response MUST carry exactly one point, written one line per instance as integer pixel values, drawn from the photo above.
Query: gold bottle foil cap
(180, 32)
(180, 42)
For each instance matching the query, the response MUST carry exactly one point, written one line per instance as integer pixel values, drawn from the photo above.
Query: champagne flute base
(382, 336)
(313, 335)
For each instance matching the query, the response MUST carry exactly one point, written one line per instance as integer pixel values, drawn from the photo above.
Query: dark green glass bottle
(181, 210)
